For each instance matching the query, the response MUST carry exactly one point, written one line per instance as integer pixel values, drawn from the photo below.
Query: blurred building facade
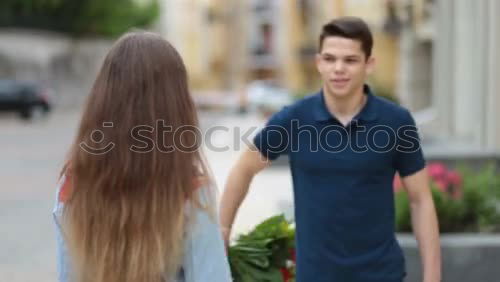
(450, 65)
(439, 57)
(227, 44)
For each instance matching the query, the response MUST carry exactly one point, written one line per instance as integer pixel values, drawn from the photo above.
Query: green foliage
(259, 255)
(476, 210)
(481, 199)
(82, 17)
(403, 216)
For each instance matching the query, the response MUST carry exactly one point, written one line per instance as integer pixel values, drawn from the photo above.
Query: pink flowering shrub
(442, 178)
(466, 200)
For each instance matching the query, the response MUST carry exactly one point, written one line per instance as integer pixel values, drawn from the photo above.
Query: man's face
(343, 66)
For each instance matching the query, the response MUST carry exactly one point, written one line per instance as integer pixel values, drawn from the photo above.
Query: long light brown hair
(125, 216)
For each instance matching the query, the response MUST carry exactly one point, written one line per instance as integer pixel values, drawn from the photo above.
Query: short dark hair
(349, 27)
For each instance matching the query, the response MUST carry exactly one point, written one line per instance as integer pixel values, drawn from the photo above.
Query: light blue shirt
(204, 258)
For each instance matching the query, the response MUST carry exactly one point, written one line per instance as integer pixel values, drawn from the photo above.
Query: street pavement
(32, 153)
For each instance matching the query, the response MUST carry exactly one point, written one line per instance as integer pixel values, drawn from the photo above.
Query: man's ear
(317, 60)
(370, 65)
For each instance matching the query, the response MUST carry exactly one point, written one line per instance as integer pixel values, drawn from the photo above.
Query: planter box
(466, 257)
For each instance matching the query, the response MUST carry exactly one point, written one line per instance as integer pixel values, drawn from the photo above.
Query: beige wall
(185, 24)
(292, 73)
(216, 53)
(386, 47)
(386, 53)
(371, 11)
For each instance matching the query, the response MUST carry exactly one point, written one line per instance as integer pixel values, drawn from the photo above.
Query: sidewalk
(271, 190)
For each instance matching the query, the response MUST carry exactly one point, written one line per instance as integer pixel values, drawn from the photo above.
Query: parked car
(25, 97)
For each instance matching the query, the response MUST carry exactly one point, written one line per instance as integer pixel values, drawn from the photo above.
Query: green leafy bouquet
(266, 254)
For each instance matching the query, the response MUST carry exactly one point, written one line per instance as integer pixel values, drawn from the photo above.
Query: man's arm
(236, 188)
(425, 223)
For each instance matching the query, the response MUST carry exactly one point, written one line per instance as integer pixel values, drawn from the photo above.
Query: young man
(345, 146)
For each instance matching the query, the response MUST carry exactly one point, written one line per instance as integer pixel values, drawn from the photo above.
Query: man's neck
(345, 108)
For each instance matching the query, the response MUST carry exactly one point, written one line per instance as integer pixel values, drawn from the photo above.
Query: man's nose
(338, 66)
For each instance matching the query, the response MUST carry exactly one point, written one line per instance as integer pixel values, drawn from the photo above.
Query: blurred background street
(247, 59)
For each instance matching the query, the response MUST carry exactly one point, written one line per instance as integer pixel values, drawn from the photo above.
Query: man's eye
(329, 59)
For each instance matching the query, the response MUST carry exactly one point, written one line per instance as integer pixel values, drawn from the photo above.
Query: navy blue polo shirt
(342, 181)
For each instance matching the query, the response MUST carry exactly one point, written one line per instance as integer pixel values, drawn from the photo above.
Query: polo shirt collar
(367, 113)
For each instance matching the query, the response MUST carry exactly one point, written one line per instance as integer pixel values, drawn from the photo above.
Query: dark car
(26, 98)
